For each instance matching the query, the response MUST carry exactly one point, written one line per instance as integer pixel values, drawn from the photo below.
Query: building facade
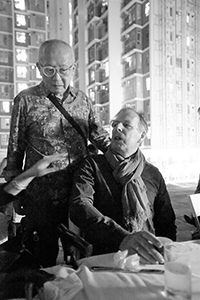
(140, 53)
(145, 54)
(23, 27)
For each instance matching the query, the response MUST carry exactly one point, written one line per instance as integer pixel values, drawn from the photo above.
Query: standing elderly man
(39, 129)
(119, 200)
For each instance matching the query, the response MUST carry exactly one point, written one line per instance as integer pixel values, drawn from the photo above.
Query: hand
(42, 168)
(144, 244)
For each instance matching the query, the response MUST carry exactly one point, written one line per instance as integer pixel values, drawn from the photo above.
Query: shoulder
(78, 93)
(149, 167)
(94, 161)
(152, 173)
(31, 90)
(28, 93)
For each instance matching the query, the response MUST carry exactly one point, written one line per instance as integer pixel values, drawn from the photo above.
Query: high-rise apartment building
(23, 27)
(142, 53)
(145, 54)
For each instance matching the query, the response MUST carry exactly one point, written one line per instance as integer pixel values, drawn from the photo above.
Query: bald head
(56, 55)
(55, 48)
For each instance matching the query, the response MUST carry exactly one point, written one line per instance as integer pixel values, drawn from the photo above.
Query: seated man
(119, 200)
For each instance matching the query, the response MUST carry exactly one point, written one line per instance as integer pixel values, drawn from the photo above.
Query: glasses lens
(48, 71)
(65, 71)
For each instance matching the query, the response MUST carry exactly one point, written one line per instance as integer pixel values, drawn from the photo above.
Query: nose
(57, 74)
(119, 126)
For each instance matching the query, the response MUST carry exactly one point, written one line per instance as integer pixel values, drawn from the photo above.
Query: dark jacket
(95, 204)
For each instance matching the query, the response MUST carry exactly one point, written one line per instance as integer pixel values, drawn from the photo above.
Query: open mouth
(118, 138)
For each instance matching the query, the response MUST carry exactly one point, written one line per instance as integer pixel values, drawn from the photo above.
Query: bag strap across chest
(63, 111)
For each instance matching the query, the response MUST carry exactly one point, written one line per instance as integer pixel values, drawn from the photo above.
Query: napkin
(63, 287)
(123, 261)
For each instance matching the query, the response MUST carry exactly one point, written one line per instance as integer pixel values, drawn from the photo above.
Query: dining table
(98, 278)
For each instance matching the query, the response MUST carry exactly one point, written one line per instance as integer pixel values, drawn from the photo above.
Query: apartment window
(106, 67)
(37, 73)
(170, 12)
(179, 62)
(5, 107)
(179, 108)
(91, 75)
(19, 4)
(188, 18)
(147, 9)
(4, 140)
(21, 55)
(139, 37)
(21, 72)
(179, 131)
(192, 19)
(171, 36)
(138, 12)
(92, 95)
(192, 87)
(21, 37)
(179, 84)
(188, 41)
(192, 42)
(20, 20)
(188, 86)
(147, 58)
(4, 57)
(5, 123)
(139, 61)
(188, 63)
(148, 83)
(192, 64)
(21, 86)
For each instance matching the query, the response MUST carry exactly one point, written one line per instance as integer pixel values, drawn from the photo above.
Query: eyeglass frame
(56, 69)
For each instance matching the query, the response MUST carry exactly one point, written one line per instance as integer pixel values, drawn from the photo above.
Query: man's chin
(57, 90)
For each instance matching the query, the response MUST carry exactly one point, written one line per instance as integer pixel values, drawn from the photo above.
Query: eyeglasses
(50, 71)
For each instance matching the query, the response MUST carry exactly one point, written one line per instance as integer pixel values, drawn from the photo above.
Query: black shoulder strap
(54, 100)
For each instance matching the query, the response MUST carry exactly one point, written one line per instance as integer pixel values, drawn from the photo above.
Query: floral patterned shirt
(38, 128)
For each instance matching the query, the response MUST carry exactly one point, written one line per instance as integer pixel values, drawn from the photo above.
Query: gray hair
(51, 45)
(143, 126)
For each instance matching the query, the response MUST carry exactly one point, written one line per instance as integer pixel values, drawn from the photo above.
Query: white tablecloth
(106, 285)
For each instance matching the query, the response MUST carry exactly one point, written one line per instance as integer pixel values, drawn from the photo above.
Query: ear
(39, 68)
(74, 68)
(143, 135)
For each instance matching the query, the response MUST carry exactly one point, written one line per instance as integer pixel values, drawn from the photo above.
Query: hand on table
(145, 245)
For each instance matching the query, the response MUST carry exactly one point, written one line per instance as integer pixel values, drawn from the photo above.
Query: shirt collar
(70, 90)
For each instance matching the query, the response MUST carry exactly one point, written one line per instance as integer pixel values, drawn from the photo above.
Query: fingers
(55, 157)
(48, 171)
(42, 167)
(149, 254)
(144, 244)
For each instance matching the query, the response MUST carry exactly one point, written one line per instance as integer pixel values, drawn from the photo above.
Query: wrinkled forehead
(56, 55)
(127, 116)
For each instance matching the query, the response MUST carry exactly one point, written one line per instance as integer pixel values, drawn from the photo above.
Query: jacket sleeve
(6, 198)
(16, 145)
(100, 228)
(164, 216)
(98, 136)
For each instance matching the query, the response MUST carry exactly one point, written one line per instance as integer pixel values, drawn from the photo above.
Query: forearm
(19, 183)
(5, 197)
(98, 226)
